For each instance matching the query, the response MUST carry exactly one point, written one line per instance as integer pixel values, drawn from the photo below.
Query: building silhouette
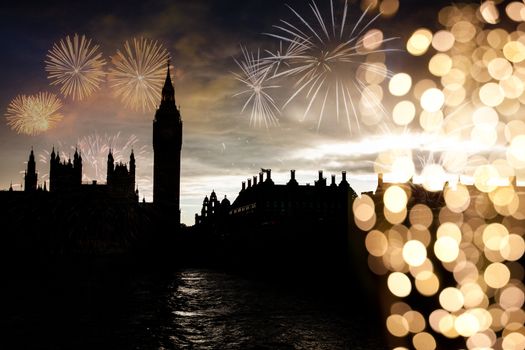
(100, 218)
(167, 146)
(262, 202)
(30, 176)
(119, 178)
(212, 210)
(65, 176)
(288, 229)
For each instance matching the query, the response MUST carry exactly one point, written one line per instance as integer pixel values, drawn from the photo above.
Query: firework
(327, 57)
(276, 59)
(94, 150)
(34, 114)
(255, 74)
(76, 66)
(138, 73)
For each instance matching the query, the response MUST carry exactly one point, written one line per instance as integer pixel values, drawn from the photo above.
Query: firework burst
(325, 58)
(76, 66)
(34, 114)
(94, 149)
(276, 59)
(255, 73)
(138, 73)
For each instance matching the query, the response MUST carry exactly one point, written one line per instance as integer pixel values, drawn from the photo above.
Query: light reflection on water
(191, 309)
(213, 310)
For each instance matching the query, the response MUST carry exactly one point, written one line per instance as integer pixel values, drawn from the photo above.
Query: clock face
(167, 137)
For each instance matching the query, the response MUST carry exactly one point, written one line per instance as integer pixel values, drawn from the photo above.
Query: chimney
(333, 181)
(344, 183)
(379, 180)
(243, 186)
(254, 181)
(321, 182)
(261, 177)
(249, 183)
(292, 181)
(269, 176)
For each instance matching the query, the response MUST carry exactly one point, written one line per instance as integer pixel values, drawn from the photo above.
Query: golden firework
(34, 114)
(76, 66)
(138, 73)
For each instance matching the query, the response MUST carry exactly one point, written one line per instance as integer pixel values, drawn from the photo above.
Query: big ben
(167, 146)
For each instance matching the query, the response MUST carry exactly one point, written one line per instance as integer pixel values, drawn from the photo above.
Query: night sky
(220, 148)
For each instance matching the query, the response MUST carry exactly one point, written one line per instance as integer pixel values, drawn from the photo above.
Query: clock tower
(167, 146)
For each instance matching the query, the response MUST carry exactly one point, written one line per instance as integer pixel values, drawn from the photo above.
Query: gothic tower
(132, 170)
(30, 178)
(167, 146)
(53, 164)
(110, 168)
(77, 166)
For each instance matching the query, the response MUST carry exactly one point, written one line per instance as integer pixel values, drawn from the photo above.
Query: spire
(30, 176)
(132, 161)
(31, 166)
(168, 91)
(110, 168)
(77, 159)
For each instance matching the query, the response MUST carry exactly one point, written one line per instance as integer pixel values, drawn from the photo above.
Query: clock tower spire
(167, 146)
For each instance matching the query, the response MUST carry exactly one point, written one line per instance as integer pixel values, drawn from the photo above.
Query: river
(185, 309)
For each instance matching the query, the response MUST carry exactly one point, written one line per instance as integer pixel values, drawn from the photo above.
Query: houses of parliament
(67, 215)
(65, 176)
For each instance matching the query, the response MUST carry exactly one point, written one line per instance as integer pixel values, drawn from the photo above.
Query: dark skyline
(365, 158)
(220, 148)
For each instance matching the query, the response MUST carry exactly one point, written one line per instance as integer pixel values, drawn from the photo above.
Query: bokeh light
(448, 232)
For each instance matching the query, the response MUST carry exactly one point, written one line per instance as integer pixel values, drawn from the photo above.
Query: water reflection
(189, 309)
(213, 310)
